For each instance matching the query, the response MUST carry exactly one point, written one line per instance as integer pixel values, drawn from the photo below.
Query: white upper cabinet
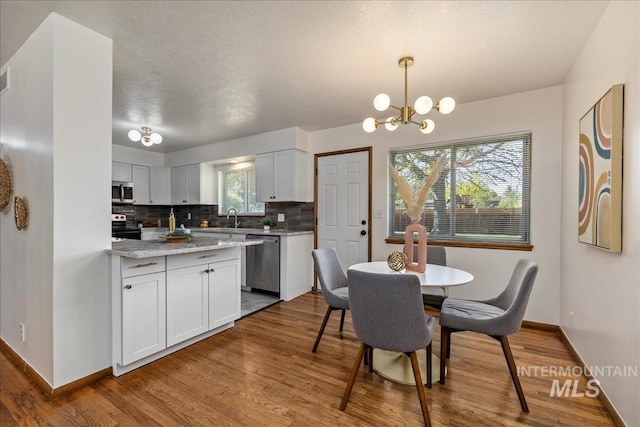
(140, 178)
(281, 176)
(192, 185)
(159, 186)
(121, 171)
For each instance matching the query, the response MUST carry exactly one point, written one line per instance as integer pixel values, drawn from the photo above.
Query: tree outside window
(481, 195)
(237, 189)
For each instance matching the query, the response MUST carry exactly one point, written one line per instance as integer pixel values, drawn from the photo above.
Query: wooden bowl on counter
(176, 239)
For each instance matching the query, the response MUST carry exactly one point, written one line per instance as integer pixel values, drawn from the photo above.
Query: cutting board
(151, 222)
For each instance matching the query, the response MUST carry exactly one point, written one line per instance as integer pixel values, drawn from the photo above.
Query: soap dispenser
(172, 222)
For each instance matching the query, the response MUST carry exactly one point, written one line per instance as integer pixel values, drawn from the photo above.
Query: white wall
(26, 261)
(539, 112)
(54, 272)
(602, 289)
(82, 71)
(136, 156)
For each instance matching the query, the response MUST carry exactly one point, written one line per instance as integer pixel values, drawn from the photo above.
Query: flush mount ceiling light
(423, 105)
(147, 139)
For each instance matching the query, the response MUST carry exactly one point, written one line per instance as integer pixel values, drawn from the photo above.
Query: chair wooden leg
(429, 367)
(445, 337)
(342, 319)
(420, 387)
(352, 378)
(514, 371)
(324, 324)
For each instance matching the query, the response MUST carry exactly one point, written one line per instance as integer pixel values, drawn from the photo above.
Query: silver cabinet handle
(207, 256)
(127, 286)
(144, 265)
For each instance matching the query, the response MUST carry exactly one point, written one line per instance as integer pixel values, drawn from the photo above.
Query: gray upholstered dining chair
(435, 255)
(334, 285)
(387, 313)
(496, 317)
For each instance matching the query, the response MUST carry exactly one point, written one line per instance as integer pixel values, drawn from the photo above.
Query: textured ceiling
(203, 72)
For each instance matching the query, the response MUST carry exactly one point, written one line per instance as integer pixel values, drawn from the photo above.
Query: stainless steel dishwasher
(263, 264)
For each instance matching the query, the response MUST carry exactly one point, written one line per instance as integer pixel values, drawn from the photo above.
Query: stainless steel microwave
(122, 192)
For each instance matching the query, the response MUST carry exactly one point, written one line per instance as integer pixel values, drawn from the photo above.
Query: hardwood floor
(262, 372)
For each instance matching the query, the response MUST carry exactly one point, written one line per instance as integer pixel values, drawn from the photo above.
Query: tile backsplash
(298, 216)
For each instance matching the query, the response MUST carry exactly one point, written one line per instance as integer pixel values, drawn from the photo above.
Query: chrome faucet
(236, 223)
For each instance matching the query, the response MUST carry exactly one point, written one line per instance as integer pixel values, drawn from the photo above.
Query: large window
(237, 189)
(482, 194)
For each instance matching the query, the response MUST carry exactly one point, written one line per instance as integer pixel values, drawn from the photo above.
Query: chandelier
(423, 105)
(147, 139)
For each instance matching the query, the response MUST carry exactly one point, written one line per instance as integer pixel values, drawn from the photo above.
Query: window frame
(244, 167)
(459, 241)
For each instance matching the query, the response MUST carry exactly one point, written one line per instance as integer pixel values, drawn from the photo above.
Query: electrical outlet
(571, 318)
(23, 337)
(280, 217)
(188, 215)
(377, 213)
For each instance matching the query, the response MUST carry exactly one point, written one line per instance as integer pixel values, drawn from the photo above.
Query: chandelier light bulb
(156, 138)
(446, 105)
(381, 102)
(146, 141)
(427, 126)
(135, 135)
(369, 125)
(423, 105)
(391, 124)
(406, 115)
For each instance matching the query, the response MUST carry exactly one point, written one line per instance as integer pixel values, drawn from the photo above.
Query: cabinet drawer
(137, 266)
(205, 257)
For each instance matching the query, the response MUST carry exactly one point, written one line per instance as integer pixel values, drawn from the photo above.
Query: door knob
(362, 233)
(363, 222)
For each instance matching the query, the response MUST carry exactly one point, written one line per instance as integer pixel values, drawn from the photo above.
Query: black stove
(119, 228)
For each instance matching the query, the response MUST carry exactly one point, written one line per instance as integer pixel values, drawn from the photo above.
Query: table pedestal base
(396, 366)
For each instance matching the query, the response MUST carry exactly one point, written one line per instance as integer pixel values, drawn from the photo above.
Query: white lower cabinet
(224, 292)
(143, 316)
(165, 303)
(187, 303)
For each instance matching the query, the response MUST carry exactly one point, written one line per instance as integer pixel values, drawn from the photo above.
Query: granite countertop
(152, 248)
(231, 230)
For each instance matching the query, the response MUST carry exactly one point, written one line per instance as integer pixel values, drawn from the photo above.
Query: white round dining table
(434, 276)
(396, 366)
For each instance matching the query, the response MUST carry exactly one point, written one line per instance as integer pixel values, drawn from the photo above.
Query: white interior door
(343, 205)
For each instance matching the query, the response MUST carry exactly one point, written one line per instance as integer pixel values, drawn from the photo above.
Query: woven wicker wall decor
(21, 213)
(5, 186)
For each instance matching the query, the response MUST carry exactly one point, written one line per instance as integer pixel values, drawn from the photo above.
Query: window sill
(469, 244)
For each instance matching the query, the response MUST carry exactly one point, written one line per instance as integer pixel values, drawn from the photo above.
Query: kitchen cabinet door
(143, 316)
(120, 171)
(264, 177)
(192, 184)
(179, 185)
(187, 303)
(159, 186)
(140, 176)
(281, 176)
(224, 292)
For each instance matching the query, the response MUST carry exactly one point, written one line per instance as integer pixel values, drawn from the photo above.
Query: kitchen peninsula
(167, 296)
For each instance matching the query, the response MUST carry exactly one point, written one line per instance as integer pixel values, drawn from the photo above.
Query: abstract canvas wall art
(600, 173)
